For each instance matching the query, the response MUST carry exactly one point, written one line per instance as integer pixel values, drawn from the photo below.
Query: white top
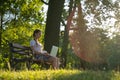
(37, 46)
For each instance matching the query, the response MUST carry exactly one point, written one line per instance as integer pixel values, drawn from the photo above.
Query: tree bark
(52, 29)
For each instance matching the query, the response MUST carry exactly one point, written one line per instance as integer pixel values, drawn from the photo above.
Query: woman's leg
(54, 62)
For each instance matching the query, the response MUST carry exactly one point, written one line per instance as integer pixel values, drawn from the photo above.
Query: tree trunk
(65, 41)
(53, 23)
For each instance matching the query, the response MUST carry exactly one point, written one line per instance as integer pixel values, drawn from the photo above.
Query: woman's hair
(36, 31)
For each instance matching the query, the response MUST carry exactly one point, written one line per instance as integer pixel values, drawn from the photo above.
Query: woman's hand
(46, 54)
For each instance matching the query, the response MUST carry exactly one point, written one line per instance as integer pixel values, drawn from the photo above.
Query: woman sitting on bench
(39, 53)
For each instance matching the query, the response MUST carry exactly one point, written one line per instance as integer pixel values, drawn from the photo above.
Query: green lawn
(59, 75)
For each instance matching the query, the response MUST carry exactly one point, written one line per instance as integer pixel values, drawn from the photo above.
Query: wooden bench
(19, 53)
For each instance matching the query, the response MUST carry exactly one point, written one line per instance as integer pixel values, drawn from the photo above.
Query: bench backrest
(17, 48)
(54, 51)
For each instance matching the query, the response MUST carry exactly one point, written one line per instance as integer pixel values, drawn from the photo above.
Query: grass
(59, 75)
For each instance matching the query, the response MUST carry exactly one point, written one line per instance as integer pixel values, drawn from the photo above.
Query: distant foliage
(114, 61)
(114, 58)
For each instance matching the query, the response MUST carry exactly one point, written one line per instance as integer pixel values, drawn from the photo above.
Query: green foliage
(114, 61)
(20, 19)
(72, 60)
(26, 15)
(114, 58)
(4, 62)
(21, 34)
(36, 67)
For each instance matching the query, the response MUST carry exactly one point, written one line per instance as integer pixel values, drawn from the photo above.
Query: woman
(38, 51)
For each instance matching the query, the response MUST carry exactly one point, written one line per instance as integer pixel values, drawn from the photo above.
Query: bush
(114, 61)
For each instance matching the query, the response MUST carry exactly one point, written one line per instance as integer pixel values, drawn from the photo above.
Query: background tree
(64, 50)
(91, 15)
